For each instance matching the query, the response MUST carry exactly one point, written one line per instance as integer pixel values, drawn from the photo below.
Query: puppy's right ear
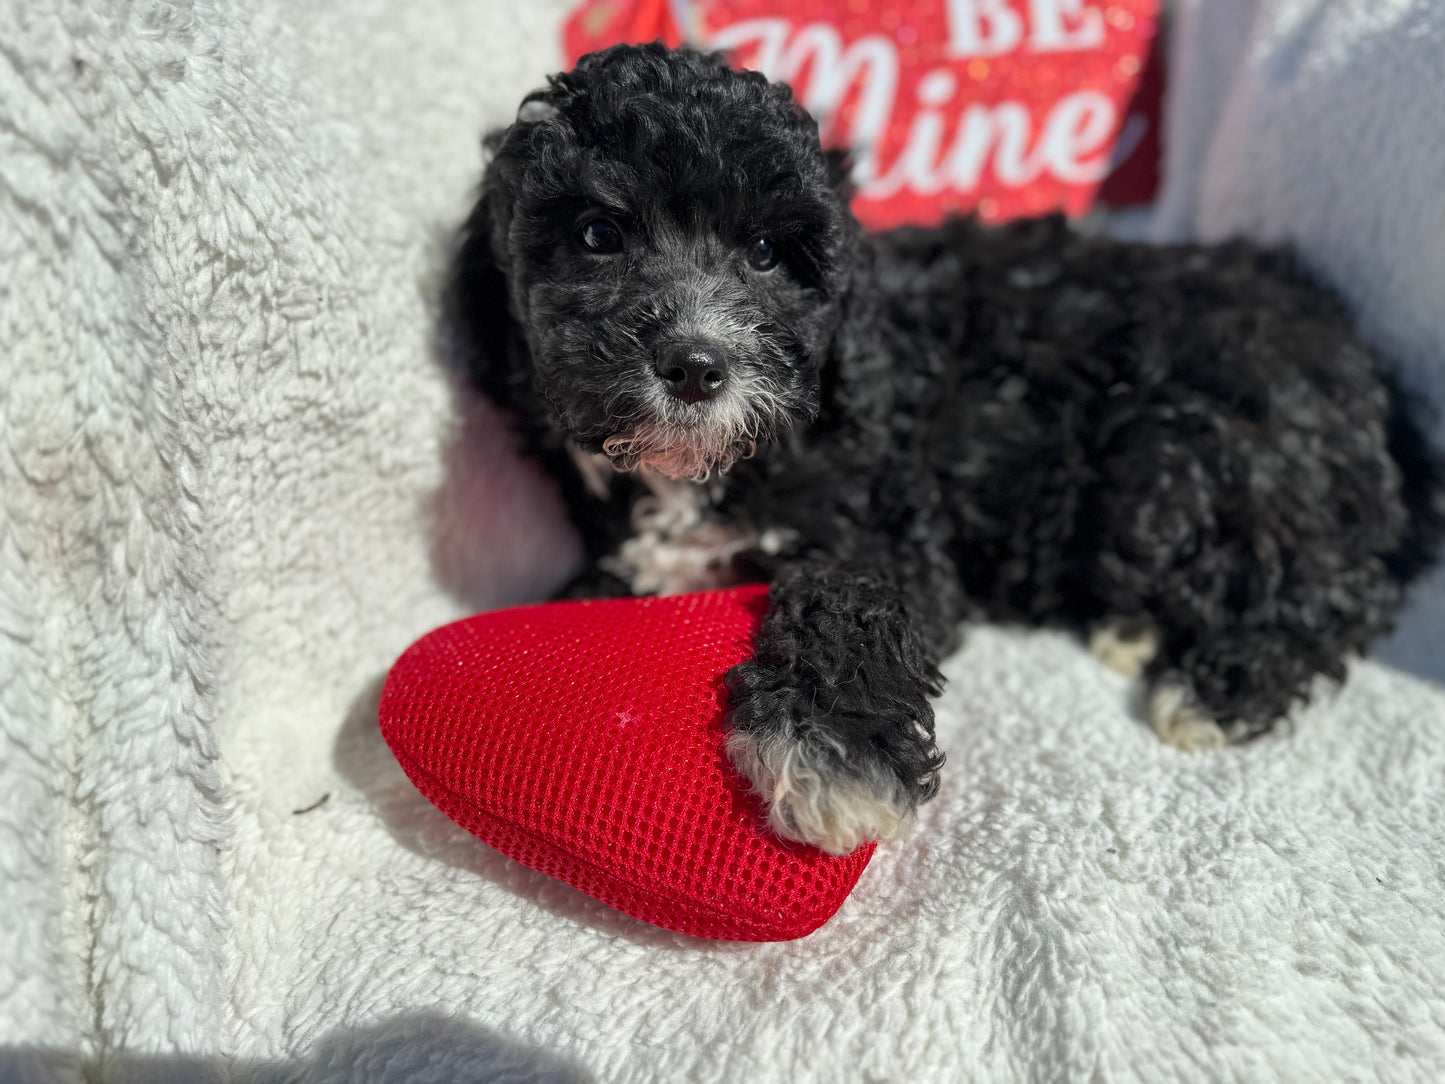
(486, 340)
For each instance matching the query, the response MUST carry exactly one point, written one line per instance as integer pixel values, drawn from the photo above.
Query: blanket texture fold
(237, 482)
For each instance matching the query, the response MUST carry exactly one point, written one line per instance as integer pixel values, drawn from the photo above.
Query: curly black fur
(1021, 422)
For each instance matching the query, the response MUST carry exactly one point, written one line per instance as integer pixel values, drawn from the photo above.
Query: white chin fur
(682, 441)
(671, 458)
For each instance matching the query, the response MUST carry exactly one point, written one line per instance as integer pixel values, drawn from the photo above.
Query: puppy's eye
(762, 255)
(600, 236)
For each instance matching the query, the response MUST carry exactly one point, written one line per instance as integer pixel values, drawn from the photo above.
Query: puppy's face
(674, 247)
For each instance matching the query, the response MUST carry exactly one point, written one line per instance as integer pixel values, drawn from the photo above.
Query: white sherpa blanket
(236, 484)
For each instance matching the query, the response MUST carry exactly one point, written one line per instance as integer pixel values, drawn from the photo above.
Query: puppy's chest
(681, 543)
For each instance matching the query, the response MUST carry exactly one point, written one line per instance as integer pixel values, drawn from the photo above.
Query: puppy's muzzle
(692, 371)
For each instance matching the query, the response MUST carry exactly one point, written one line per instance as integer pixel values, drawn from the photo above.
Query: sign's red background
(1009, 123)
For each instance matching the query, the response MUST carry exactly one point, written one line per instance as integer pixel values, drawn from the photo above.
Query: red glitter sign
(1003, 107)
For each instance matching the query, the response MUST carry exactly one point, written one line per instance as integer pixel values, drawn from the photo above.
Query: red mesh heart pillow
(585, 740)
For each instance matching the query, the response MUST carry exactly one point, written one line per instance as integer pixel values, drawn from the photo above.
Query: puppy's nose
(692, 371)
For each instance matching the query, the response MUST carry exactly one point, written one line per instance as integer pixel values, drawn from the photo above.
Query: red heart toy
(585, 740)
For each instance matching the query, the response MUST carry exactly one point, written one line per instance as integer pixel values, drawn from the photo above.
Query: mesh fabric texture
(585, 740)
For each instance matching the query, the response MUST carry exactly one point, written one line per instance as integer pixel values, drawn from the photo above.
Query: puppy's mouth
(692, 447)
(695, 439)
(690, 418)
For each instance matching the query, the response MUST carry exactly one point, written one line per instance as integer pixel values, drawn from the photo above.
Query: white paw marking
(810, 802)
(1124, 654)
(1180, 724)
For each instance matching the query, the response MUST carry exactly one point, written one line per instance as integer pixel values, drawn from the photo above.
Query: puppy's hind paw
(1180, 722)
(812, 799)
(1125, 646)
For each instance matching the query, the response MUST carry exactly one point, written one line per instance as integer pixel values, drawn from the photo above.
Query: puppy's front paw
(835, 778)
(813, 798)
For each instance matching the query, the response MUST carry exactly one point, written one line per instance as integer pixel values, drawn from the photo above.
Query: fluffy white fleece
(236, 484)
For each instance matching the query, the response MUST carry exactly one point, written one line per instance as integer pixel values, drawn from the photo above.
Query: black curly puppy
(1183, 449)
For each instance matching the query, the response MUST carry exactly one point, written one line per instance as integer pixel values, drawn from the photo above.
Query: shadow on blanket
(362, 758)
(422, 1047)
(499, 531)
